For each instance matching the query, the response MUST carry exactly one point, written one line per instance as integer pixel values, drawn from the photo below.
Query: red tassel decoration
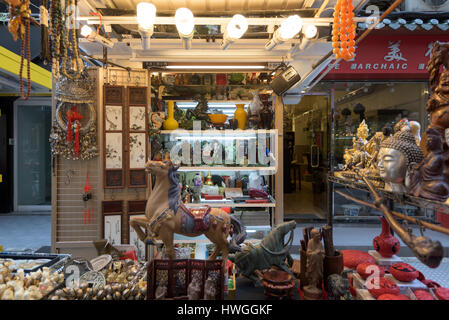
(69, 129)
(77, 138)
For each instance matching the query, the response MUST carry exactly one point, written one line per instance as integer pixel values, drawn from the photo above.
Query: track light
(309, 32)
(146, 15)
(288, 29)
(185, 24)
(88, 33)
(234, 30)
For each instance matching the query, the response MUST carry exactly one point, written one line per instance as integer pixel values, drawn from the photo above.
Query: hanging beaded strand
(25, 42)
(56, 33)
(343, 31)
(73, 45)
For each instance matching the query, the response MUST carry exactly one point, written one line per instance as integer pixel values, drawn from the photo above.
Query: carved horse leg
(138, 223)
(167, 235)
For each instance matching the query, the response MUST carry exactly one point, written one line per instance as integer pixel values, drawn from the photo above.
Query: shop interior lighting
(211, 67)
(235, 29)
(90, 34)
(185, 25)
(289, 28)
(309, 32)
(146, 15)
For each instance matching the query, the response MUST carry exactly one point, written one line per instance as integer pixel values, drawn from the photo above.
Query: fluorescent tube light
(216, 67)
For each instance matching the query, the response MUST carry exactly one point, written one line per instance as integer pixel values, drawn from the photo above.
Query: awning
(41, 79)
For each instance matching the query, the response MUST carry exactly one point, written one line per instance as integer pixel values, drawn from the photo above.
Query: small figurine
(194, 289)
(161, 292)
(360, 157)
(363, 132)
(210, 292)
(397, 156)
(338, 287)
(428, 180)
(314, 268)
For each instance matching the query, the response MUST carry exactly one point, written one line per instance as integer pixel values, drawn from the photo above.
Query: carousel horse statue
(165, 215)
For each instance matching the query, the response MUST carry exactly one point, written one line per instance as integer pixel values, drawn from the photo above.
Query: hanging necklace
(70, 30)
(19, 27)
(56, 31)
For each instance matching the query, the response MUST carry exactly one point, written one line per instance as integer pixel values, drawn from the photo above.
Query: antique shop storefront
(179, 171)
(385, 82)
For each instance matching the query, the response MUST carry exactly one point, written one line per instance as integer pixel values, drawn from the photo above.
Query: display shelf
(401, 198)
(221, 168)
(228, 203)
(219, 133)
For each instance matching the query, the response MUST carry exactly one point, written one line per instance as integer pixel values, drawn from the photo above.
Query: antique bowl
(218, 118)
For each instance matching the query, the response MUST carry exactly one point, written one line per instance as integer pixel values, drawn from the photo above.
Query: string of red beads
(343, 31)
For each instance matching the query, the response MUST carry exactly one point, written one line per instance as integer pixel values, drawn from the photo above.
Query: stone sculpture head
(397, 155)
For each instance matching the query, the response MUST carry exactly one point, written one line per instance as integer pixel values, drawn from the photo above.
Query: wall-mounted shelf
(400, 198)
(219, 133)
(221, 168)
(228, 203)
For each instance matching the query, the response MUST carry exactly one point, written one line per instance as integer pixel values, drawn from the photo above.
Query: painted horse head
(166, 173)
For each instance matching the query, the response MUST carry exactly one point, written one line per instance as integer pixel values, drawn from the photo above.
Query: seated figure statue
(397, 156)
(427, 180)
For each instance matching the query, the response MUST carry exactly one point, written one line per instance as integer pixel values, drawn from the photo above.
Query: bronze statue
(427, 180)
(397, 156)
(165, 214)
(314, 268)
(272, 251)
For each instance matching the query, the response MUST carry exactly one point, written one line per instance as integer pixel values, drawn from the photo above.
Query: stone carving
(397, 156)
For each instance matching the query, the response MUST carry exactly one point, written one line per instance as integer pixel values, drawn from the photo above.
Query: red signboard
(388, 57)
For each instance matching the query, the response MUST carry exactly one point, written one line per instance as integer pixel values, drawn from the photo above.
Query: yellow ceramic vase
(170, 123)
(240, 116)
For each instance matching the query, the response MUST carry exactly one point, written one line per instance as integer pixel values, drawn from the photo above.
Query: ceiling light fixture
(288, 29)
(309, 32)
(88, 33)
(146, 15)
(235, 29)
(185, 25)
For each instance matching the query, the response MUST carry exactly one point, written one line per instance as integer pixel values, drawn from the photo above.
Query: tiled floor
(19, 232)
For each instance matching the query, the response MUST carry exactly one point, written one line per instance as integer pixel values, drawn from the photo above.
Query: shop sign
(389, 57)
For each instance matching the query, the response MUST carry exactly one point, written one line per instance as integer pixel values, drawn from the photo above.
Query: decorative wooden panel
(137, 136)
(112, 221)
(114, 138)
(69, 218)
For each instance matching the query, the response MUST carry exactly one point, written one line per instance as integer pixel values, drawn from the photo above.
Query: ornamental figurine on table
(271, 251)
(314, 267)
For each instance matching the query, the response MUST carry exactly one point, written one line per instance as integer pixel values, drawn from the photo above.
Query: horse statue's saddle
(195, 220)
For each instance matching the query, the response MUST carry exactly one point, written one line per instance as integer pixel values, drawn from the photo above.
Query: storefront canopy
(41, 79)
